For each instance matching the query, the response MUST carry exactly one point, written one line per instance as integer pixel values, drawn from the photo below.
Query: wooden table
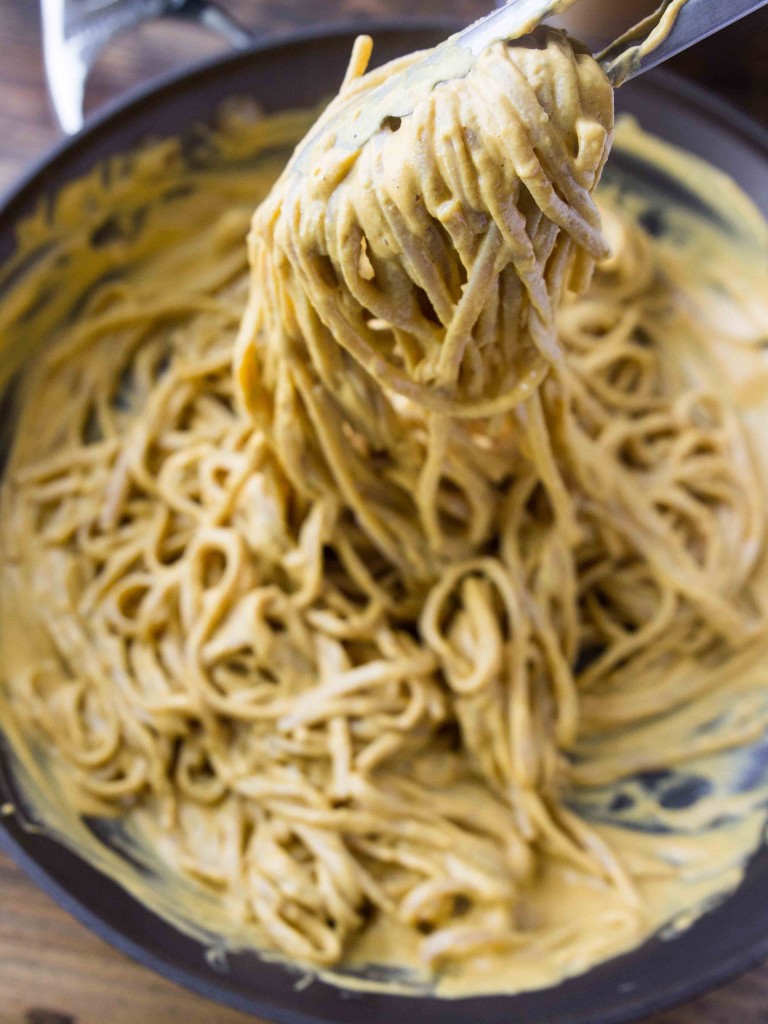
(52, 970)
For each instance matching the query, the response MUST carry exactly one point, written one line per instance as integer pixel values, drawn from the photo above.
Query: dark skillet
(297, 72)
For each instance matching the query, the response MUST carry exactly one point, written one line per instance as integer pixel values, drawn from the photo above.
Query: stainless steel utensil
(696, 20)
(629, 55)
(76, 31)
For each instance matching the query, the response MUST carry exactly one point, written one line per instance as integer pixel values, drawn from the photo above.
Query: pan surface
(723, 942)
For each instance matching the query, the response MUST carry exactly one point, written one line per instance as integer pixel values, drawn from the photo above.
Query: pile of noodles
(342, 645)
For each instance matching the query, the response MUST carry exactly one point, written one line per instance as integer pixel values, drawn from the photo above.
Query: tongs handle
(675, 26)
(211, 16)
(76, 31)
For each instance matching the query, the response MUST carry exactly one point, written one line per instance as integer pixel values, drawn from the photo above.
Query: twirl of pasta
(427, 266)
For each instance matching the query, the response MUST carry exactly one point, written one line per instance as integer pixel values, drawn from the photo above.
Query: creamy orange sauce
(685, 836)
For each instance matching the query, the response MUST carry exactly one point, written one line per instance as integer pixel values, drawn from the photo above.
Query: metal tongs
(676, 25)
(76, 31)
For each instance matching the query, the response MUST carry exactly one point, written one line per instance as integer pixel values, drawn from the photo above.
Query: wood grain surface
(52, 970)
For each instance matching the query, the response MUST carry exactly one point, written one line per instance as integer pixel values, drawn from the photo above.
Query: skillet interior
(659, 974)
